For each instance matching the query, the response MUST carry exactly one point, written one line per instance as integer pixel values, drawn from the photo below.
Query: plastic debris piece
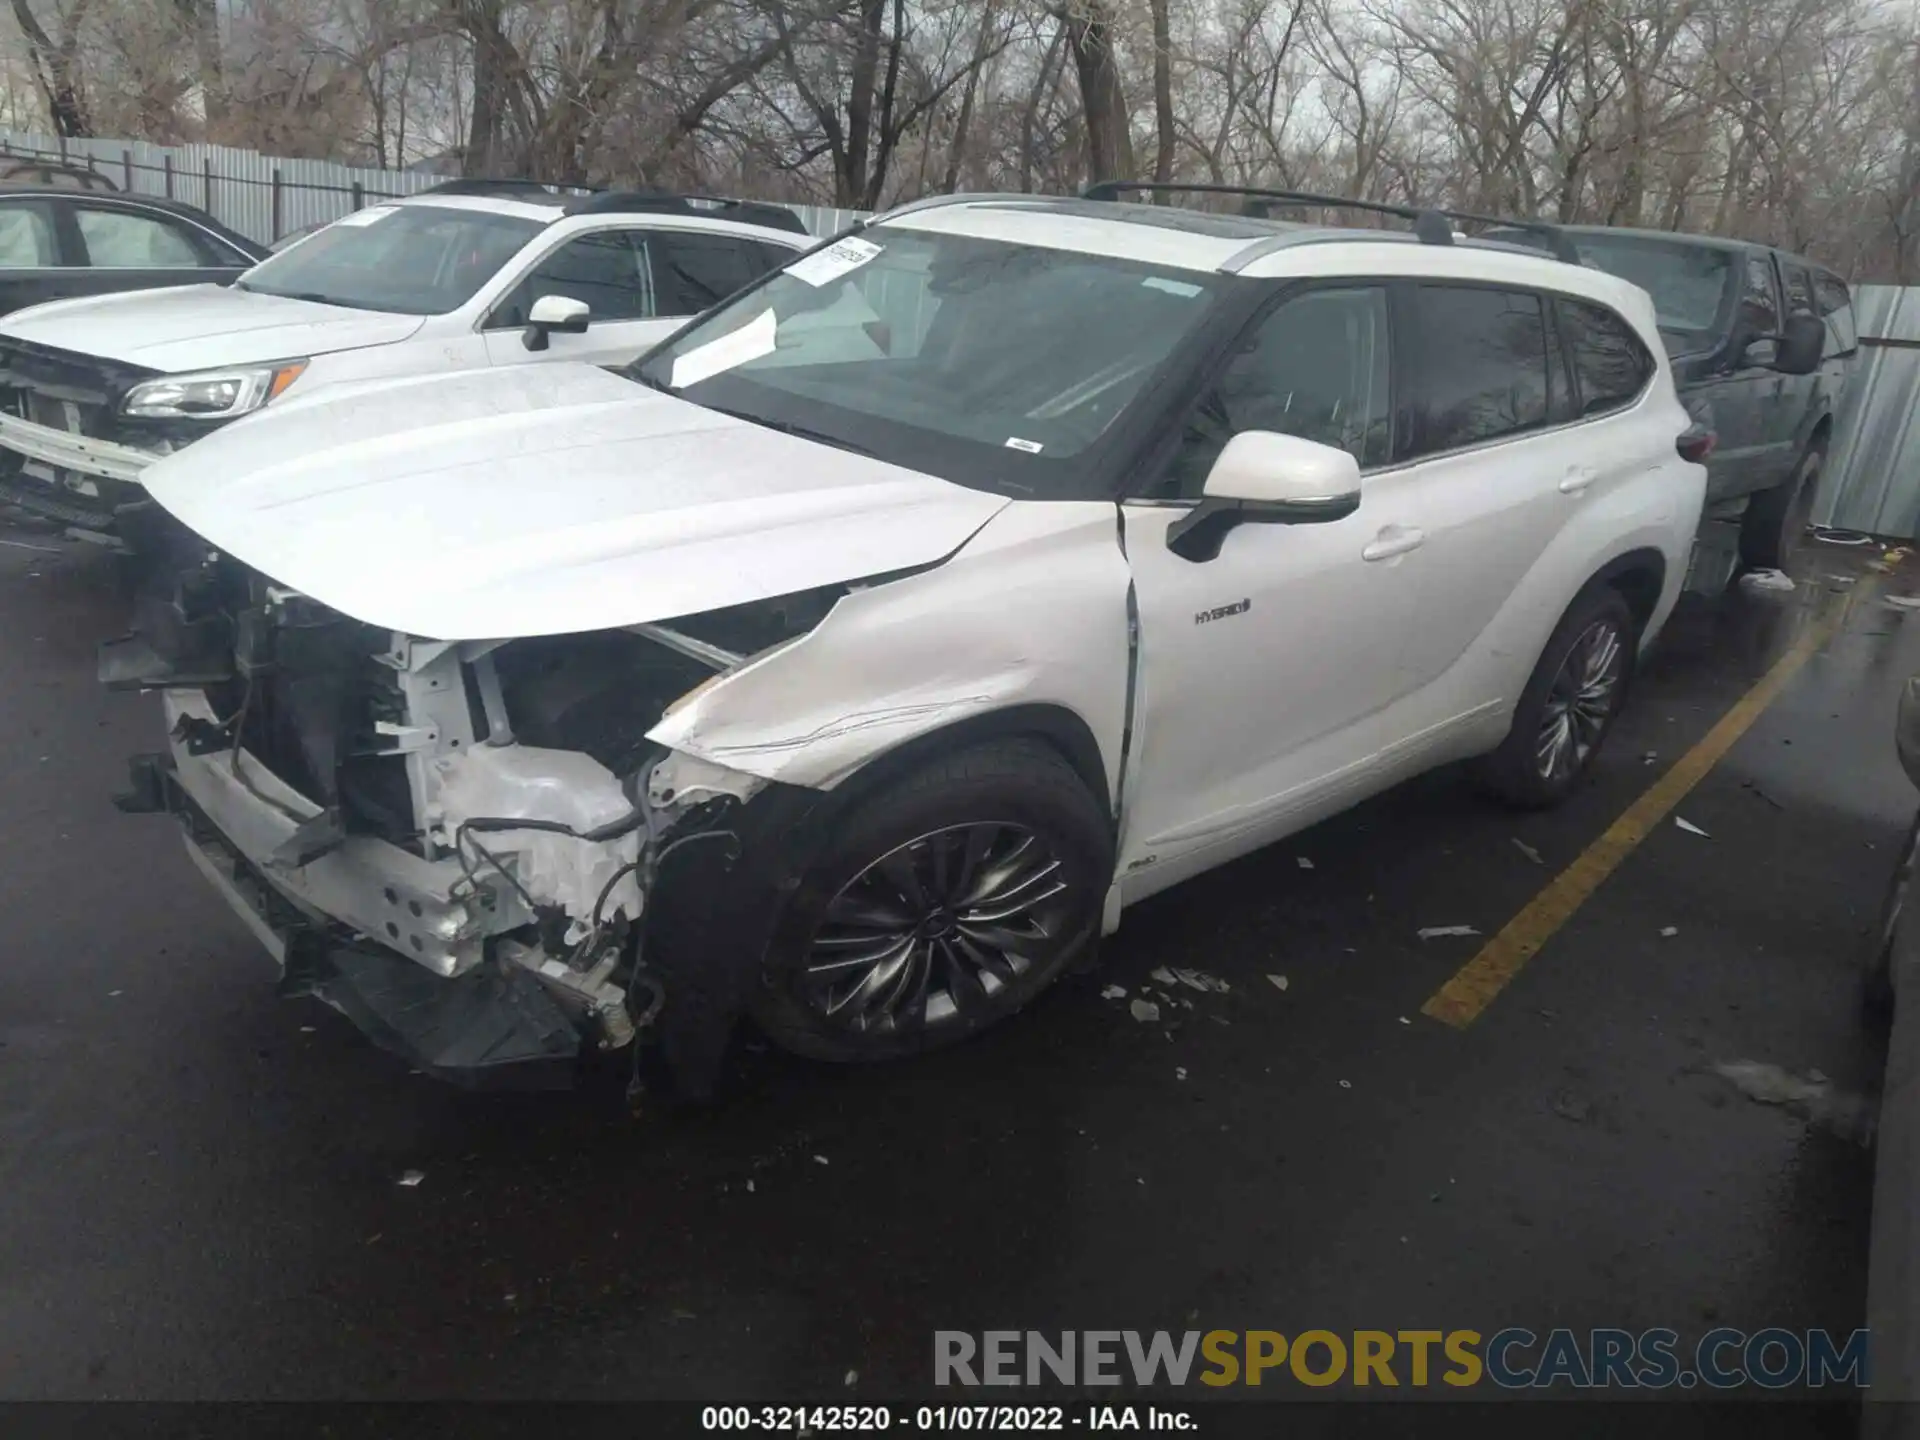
(1528, 851)
(1162, 974)
(1690, 827)
(1766, 580)
(1114, 992)
(1145, 1011)
(1435, 932)
(1667, 932)
(1279, 981)
(749, 1187)
(1179, 1072)
(1901, 602)
(1405, 1021)
(1303, 862)
(1346, 1084)
(1203, 982)
(852, 1375)
(1569, 1106)
(1649, 757)
(112, 993)
(412, 1178)
(820, 1160)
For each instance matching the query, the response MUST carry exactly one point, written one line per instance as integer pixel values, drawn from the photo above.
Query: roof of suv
(532, 201)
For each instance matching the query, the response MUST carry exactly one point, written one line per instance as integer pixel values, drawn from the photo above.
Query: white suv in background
(471, 273)
(859, 655)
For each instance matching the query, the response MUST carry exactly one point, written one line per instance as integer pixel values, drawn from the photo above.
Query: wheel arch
(1639, 575)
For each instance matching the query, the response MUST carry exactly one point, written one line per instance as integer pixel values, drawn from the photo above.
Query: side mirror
(1263, 477)
(1803, 344)
(555, 312)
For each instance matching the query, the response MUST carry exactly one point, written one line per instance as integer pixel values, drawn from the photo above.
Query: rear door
(1501, 467)
(1751, 453)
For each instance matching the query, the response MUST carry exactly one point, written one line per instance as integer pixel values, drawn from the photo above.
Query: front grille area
(40, 383)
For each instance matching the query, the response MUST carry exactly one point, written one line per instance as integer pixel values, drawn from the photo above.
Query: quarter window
(1799, 291)
(1316, 368)
(121, 239)
(1609, 362)
(1832, 293)
(1479, 366)
(26, 236)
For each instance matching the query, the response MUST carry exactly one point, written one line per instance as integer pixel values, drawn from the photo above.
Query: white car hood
(199, 327)
(546, 499)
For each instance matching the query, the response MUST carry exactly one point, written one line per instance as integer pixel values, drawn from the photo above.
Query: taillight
(1696, 444)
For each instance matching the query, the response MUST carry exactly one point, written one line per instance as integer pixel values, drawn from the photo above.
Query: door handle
(1394, 540)
(1578, 479)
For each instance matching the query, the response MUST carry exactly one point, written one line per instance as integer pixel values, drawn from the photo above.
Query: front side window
(990, 363)
(1760, 303)
(606, 270)
(1799, 291)
(1317, 367)
(127, 240)
(695, 272)
(1610, 365)
(415, 259)
(26, 236)
(1478, 366)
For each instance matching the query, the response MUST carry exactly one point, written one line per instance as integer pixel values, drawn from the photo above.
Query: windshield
(409, 259)
(1691, 285)
(991, 364)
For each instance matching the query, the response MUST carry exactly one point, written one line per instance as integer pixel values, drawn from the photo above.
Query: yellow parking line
(1474, 986)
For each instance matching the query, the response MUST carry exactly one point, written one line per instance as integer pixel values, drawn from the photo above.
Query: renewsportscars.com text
(1512, 1359)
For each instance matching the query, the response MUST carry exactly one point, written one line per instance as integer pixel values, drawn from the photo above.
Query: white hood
(199, 327)
(546, 499)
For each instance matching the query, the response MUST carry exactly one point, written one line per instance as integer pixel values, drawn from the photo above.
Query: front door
(1258, 666)
(1747, 399)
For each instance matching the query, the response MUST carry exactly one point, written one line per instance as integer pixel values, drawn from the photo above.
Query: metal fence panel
(262, 196)
(1872, 481)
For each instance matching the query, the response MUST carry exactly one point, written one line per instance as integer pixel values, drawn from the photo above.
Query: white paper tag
(1032, 447)
(736, 347)
(840, 258)
(372, 215)
(1185, 289)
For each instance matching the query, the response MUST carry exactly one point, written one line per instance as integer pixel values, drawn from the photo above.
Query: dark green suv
(1762, 344)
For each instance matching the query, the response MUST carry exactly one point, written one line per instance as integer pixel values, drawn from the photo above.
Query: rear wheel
(1776, 520)
(1568, 706)
(941, 905)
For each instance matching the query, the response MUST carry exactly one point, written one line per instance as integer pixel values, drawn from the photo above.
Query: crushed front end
(453, 844)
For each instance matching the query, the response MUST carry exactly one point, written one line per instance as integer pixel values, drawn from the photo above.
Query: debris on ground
(1346, 1084)
(1435, 932)
(1760, 794)
(1200, 980)
(852, 1375)
(1405, 1021)
(1813, 1097)
(1827, 536)
(1145, 1011)
(1163, 975)
(412, 1178)
(820, 1160)
(749, 1187)
(1901, 602)
(1528, 851)
(1690, 827)
(1667, 932)
(1766, 580)
(1569, 1106)
(23, 545)
(1114, 992)
(1279, 981)
(1179, 1072)
(1303, 862)
(1649, 757)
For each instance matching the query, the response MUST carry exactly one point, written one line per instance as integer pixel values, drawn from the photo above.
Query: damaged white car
(852, 661)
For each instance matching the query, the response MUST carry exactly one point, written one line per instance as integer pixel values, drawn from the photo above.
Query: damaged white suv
(853, 660)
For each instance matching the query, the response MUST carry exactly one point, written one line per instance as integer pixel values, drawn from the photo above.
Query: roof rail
(747, 212)
(502, 189)
(1429, 225)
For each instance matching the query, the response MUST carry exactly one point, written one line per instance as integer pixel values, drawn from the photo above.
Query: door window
(26, 237)
(1609, 362)
(1799, 291)
(127, 240)
(1479, 366)
(1836, 308)
(607, 270)
(1317, 367)
(1760, 303)
(696, 271)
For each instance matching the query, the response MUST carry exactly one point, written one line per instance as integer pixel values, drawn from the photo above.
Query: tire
(909, 897)
(1570, 696)
(1876, 974)
(1776, 520)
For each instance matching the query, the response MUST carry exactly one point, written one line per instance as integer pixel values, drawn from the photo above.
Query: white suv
(471, 273)
(859, 655)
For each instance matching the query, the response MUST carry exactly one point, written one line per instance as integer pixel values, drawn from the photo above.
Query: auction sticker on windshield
(823, 267)
(368, 216)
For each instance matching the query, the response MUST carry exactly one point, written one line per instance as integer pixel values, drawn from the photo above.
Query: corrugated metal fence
(263, 196)
(1873, 476)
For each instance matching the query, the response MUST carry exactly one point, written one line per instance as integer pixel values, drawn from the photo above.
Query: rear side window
(127, 240)
(1610, 365)
(1832, 293)
(1835, 302)
(1799, 290)
(694, 272)
(26, 236)
(1478, 366)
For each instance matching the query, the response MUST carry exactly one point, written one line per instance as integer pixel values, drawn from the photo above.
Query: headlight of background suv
(211, 394)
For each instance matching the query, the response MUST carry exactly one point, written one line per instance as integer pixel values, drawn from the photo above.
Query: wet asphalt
(199, 1192)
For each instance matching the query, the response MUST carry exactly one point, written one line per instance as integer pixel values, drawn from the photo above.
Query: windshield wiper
(787, 427)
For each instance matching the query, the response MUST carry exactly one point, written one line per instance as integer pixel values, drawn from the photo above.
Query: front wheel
(1568, 706)
(942, 904)
(1776, 520)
